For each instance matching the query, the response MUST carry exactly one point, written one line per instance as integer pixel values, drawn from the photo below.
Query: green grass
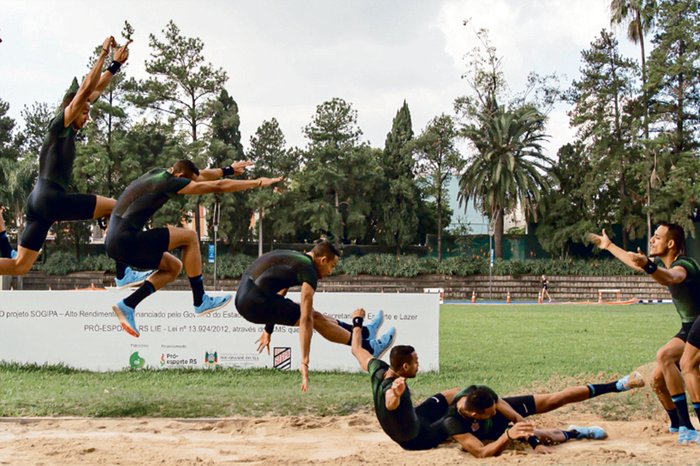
(512, 348)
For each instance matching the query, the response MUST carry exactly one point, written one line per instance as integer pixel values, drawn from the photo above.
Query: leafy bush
(387, 265)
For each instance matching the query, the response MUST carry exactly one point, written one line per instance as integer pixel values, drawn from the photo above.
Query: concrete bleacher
(521, 288)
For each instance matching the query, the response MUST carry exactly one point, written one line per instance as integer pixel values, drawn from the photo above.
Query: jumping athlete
(681, 274)
(413, 428)
(476, 417)
(128, 243)
(49, 201)
(261, 299)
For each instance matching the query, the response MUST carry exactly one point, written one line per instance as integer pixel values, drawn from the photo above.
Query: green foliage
(59, 263)
(229, 266)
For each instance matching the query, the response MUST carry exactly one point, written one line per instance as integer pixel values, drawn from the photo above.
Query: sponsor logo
(136, 361)
(282, 357)
(176, 360)
(211, 359)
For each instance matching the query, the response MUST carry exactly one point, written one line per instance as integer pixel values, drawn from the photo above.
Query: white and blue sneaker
(672, 430)
(211, 304)
(374, 325)
(132, 278)
(687, 436)
(630, 381)
(383, 343)
(125, 314)
(592, 433)
(13, 254)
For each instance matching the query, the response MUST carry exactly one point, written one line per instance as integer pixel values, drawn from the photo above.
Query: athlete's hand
(304, 369)
(264, 341)
(239, 167)
(542, 450)
(269, 181)
(521, 430)
(602, 240)
(122, 54)
(358, 313)
(639, 258)
(399, 386)
(108, 43)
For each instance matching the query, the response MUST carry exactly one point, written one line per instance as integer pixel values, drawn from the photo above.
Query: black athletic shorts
(523, 405)
(432, 431)
(49, 203)
(694, 334)
(684, 331)
(258, 307)
(137, 248)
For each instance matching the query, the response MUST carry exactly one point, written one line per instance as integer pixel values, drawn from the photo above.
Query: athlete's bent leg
(191, 256)
(103, 206)
(547, 402)
(21, 264)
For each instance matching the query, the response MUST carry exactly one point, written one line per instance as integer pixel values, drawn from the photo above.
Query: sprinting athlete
(413, 428)
(127, 242)
(6, 250)
(681, 274)
(475, 417)
(49, 201)
(261, 299)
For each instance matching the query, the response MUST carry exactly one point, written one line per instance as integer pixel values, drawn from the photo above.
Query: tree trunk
(498, 235)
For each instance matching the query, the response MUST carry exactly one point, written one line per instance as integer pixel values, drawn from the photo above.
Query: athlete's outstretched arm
(89, 84)
(603, 242)
(209, 174)
(503, 407)
(473, 445)
(226, 186)
(362, 355)
(120, 56)
(306, 328)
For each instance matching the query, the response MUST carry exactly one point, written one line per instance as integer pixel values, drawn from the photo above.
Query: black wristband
(269, 328)
(650, 267)
(114, 67)
(533, 441)
(228, 171)
(357, 321)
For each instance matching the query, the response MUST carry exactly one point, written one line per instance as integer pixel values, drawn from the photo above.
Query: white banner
(79, 329)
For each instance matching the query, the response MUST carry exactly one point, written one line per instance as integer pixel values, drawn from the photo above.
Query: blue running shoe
(383, 343)
(374, 325)
(132, 278)
(13, 254)
(630, 381)
(672, 430)
(593, 432)
(125, 314)
(211, 304)
(687, 436)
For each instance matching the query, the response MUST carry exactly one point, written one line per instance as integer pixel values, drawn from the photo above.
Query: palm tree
(639, 16)
(509, 168)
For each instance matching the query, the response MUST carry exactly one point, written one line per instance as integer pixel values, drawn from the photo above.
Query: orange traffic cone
(600, 297)
(473, 297)
(539, 298)
(508, 298)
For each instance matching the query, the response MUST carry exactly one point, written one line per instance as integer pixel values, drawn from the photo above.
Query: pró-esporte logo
(282, 357)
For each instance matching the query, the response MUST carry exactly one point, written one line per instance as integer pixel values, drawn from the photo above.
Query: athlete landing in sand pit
(414, 428)
(127, 242)
(261, 299)
(477, 415)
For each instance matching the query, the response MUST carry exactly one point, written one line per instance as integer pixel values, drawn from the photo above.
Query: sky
(284, 57)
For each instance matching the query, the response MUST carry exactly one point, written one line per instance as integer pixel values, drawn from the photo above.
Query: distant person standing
(544, 283)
